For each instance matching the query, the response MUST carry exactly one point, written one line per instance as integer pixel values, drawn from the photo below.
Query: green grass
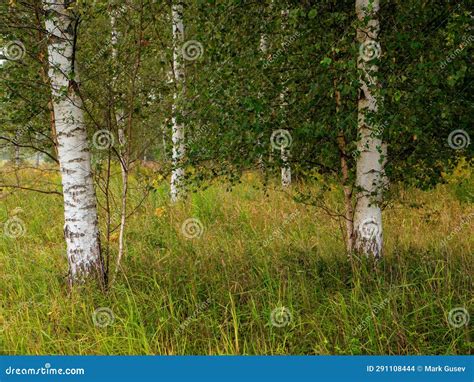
(215, 294)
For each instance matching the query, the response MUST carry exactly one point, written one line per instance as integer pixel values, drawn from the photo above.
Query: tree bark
(368, 214)
(122, 151)
(81, 228)
(125, 139)
(177, 176)
(284, 150)
(263, 46)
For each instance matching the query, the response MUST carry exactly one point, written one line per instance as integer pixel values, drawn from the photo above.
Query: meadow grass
(259, 252)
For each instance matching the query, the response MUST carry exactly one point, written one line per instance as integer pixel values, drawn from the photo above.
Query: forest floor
(264, 275)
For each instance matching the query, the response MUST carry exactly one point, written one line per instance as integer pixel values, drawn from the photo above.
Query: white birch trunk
(122, 152)
(368, 215)
(119, 114)
(285, 169)
(81, 228)
(264, 49)
(285, 151)
(177, 176)
(264, 45)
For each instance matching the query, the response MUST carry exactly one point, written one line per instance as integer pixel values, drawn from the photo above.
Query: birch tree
(122, 152)
(263, 46)
(126, 117)
(285, 148)
(81, 229)
(368, 214)
(177, 176)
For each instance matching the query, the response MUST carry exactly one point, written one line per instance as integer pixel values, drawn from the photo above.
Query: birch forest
(236, 177)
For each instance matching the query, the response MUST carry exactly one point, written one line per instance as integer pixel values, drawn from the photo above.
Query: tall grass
(215, 294)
